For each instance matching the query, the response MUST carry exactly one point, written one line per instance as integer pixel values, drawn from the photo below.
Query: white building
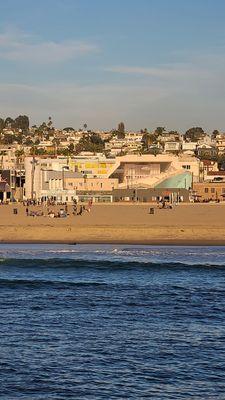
(46, 176)
(171, 147)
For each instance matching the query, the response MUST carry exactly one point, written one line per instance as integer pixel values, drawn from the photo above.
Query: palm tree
(49, 122)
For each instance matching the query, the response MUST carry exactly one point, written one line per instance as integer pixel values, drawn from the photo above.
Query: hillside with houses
(42, 161)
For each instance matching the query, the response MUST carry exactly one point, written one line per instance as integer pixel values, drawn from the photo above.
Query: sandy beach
(190, 224)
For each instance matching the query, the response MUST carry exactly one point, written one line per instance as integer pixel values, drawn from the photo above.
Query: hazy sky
(145, 62)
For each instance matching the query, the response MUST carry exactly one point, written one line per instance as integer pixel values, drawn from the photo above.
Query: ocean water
(112, 322)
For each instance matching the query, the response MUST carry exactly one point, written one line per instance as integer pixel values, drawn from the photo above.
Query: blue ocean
(112, 322)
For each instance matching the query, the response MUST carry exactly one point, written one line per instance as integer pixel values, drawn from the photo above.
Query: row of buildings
(122, 178)
(172, 165)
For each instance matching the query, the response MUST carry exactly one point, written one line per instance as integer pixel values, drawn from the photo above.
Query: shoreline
(177, 243)
(160, 236)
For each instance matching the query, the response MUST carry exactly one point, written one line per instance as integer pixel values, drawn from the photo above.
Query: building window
(206, 190)
(186, 166)
(212, 190)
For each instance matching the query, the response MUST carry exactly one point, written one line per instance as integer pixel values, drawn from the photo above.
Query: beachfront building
(209, 191)
(66, 186)
(81, 184)
(5, 190)
(8, 177)
(155, 171)
(172, 195)
(34, 173)
(63, 179)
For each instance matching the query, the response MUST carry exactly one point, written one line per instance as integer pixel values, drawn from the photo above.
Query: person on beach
(81, 210)
(74, 210)
(89, 205)
(27, 211)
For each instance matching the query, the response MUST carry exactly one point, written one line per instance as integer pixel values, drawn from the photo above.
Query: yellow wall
(93, 167)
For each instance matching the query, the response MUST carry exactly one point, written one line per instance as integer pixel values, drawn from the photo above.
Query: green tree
(96, 139)
(221, 162)
(159, 130)
(174, 133)
(19, 153)
(8, 139)
(35, 151)
(9, 122)
(90, 142)
(21, 122)
(215, 133)
(194, 134)
(120, 135)
(28, 142)
(49, 124)
(68, 129)
(71, 148)
(56, 143)
(2, 124)
(148, 139)
(19, 138)
(121, 127)
(43, 126)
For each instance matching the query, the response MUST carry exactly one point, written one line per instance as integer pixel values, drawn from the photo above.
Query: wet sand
(190, 224)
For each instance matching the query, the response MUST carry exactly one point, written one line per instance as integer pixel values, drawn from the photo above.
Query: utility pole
(63, 178)
(21, 189)
(33, 162)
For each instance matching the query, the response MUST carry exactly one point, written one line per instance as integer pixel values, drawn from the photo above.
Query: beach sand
(190, 224)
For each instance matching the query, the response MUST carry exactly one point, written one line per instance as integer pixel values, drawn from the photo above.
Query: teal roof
(179, 181)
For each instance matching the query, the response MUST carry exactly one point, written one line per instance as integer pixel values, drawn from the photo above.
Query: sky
(148, 63)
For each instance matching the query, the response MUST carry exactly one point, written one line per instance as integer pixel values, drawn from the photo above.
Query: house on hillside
(206, 151)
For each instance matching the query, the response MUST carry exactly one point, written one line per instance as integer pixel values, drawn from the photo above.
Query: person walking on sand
(81, 211)
(89, 205)
(27, 211)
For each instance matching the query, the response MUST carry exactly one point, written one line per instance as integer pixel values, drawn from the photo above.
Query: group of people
(40, 202)
(32, 213)
(165, 205)
(82, 208)
(62, 213)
